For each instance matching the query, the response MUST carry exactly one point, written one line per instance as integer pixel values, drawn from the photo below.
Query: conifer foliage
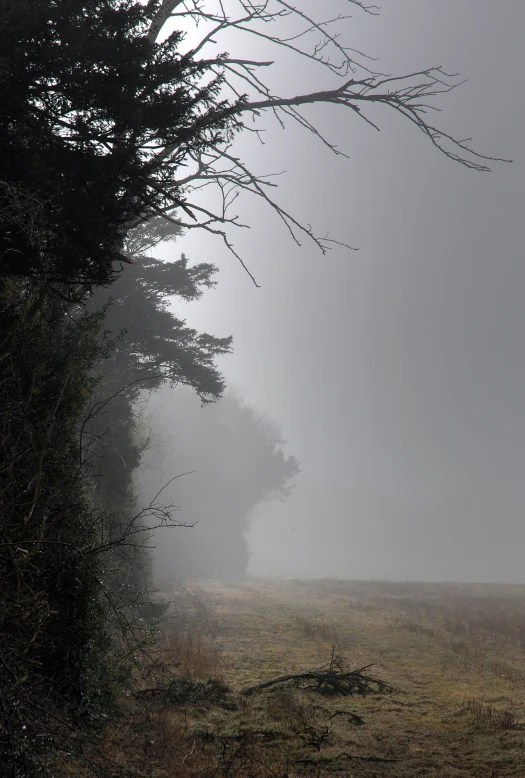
(86, 101)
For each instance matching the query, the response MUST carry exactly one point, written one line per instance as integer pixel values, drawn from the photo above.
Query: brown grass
(191, 653)
(453, 655)
(499, 718)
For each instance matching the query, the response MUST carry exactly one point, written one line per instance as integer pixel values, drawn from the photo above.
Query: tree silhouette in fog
(155, 344)
(238, 461)
(152, 346)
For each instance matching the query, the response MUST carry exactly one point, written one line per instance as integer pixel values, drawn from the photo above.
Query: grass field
(453, 656)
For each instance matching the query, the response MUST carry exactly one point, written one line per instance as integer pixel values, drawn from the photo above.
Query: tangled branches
(334, 678)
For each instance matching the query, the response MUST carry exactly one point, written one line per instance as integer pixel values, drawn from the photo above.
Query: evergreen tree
(86, 98)
(156, 344)
(153, 346)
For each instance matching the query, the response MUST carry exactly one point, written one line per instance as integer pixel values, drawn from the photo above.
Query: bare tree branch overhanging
(280, 27)
(130, 112)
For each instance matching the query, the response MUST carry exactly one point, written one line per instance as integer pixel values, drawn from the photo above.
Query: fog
(208, 468)
(397, 372)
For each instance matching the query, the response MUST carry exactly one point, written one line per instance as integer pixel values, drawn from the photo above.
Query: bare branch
(282, 26)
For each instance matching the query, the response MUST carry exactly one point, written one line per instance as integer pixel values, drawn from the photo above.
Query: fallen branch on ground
(183, 691)
(353, 718)
(335, 678)
(344, 755)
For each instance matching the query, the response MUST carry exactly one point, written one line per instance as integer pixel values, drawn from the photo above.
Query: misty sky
(398, 371)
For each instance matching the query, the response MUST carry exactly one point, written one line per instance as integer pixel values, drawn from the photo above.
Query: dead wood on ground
(334, 678)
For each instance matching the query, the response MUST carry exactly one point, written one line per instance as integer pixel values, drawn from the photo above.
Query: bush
(52, 620)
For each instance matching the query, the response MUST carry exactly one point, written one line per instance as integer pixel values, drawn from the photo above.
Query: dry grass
(191, 653)
(499, 718)
(453, 655)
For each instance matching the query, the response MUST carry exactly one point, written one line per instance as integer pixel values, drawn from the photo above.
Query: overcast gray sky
(398, 371)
